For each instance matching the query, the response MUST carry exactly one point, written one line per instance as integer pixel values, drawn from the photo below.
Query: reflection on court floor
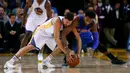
(30, 64)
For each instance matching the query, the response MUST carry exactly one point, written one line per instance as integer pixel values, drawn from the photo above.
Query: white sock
(40, 56)
(48, 58)
(14, 59)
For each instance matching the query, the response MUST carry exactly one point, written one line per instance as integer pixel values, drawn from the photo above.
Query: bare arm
(48, 8)
(78, 39)
(93, 26)
(28, 4)
(64, 34)
(67, 30)
(57, 36)
(95, 35)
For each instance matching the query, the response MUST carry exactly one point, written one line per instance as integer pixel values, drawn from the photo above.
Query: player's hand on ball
(78, 56)
(71, 53)
(69, 56)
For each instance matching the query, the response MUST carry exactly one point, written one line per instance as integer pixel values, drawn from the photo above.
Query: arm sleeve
(95, 40)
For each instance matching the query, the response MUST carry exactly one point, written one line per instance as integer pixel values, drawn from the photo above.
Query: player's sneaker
(49, 70)
(17, 69)
(40, 57)
(65, 64)
(126, 64)
(40, 67)
(90, 52)
(9, 65)
(48, 64)
(117, 61)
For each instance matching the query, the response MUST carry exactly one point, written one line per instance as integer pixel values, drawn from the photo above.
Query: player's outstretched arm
(78, 40)
(67, 30)
(57, 36)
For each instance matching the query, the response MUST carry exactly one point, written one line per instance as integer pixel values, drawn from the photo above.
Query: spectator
(55, 10)
(100, 3)
(12, 32)
(12, 4)
(117, 23)
(96, 7)
(108, 25)
(125, 9)
(3, 4)
(23, 2)
(81, 12)
(19, 15)
(3, 16)
(66, 10)
(54, 13)
(75, 14)
(1, 36)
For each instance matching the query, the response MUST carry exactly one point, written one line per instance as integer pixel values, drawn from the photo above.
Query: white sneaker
(126, 64)
(17, 69)
(90, 52)
(9, 65)
(49, 70)
(48, 64)
(40, 57)
(40, 67)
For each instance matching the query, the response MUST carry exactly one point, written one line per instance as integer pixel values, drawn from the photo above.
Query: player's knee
(28, 34)
(31, 47)
(102, 48)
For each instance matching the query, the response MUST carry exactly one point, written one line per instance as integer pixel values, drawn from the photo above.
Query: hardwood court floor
(87, 65)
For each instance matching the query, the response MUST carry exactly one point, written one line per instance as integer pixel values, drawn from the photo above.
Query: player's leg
(34, 43)
(51, 44)
(114, 60)
(26, 38)
(30, 27)
(16, 57)
(55, 52)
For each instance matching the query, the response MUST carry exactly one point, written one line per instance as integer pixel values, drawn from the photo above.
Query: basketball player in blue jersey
(87, 30)
(47, 33)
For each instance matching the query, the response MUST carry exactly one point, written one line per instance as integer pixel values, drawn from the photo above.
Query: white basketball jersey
(35, 6)
(48, 27)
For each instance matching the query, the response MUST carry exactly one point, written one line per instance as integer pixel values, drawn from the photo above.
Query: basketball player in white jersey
(47, 33)
(40, 11)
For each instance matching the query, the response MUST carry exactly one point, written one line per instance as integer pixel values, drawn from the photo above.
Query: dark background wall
(73, 5)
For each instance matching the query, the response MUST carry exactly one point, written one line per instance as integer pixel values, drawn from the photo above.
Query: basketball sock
(14, 59)
(49, 58)
(110, 56)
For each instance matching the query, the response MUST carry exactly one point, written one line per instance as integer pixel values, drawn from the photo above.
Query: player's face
(67, 22)
(88, 20)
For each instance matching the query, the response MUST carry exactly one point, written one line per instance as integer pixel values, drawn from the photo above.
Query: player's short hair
(69, 16)
(90, 14)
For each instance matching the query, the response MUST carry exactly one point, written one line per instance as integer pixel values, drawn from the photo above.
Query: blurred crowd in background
(113, 17)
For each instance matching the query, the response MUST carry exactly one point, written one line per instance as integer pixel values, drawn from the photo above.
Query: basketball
(74, 63)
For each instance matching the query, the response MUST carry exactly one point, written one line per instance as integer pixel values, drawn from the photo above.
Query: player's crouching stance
(47, 33)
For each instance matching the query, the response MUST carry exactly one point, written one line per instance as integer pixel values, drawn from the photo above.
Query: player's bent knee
(31, 47)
